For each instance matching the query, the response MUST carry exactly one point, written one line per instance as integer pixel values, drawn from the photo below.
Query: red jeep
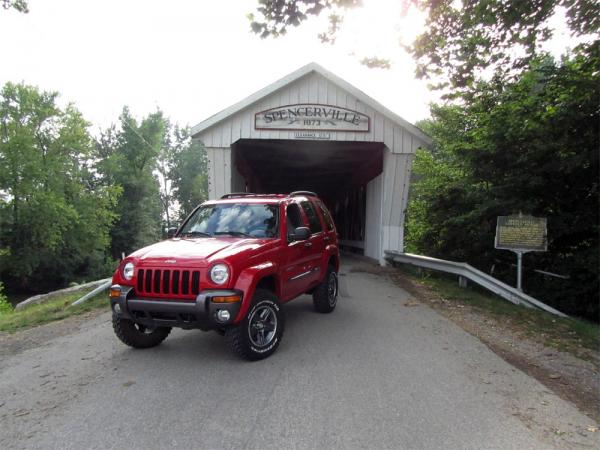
(229, 268)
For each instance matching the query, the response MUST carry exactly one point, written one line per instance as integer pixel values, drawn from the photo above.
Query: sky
(194, 58)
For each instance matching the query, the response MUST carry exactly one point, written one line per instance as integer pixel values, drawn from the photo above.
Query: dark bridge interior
(337, 171)
(328, 168)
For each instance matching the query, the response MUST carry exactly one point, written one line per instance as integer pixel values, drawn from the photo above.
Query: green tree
(182, 169)
(460, 38)
(129, 159)
(164, 167)
(276, 16)
(54, 217)
(529, 146)
(189, 174)
(18, 5)
(163, 174)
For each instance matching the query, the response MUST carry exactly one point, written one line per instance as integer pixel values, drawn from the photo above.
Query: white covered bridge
(314, 131)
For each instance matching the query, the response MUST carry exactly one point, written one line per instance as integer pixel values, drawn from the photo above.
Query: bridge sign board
(522, 233)
(307, 116)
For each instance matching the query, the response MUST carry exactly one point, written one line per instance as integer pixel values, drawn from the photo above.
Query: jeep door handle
(326, 238)
(308, 244)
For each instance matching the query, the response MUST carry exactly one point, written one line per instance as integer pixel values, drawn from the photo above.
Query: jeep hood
(196, 252)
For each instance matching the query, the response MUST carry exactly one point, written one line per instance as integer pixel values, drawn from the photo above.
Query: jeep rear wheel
(326, 293)
(138, 336)
(260, 333)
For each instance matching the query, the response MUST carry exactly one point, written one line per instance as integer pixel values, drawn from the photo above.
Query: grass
(50, 311)
(566, 334)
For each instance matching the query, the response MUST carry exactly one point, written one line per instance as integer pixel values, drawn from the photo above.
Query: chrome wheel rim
(262, 326)
(332, 288)
(144, 329)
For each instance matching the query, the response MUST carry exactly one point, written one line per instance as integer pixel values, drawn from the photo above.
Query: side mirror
(171, 232)
(301, 234)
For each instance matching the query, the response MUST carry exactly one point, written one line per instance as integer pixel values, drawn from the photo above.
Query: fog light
(223, 315)
(117, 308)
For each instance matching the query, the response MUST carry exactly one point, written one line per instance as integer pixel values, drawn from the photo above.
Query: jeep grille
(167, 282)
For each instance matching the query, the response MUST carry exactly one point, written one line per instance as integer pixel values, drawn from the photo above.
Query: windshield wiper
(232, 233)
(194, 234)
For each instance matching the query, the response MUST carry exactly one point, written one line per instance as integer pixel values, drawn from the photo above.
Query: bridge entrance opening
(341, 173)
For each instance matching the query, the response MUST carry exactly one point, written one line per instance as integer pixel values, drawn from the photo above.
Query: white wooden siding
(373, 218)
(396, 179)
(311, 88)
(219, 173)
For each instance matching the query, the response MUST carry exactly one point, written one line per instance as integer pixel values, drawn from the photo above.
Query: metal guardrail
(103, 287)
(70, 290)
(476, 276)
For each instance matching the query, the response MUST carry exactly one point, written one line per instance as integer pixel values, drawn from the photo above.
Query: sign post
(519, 270)
(521, 234)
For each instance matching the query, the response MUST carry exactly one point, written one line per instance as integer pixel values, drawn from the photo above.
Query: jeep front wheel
(326, 293)
(138, 336)
(260, 333)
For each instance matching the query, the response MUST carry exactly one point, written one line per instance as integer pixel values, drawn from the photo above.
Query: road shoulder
(570, 377)
(12, 344)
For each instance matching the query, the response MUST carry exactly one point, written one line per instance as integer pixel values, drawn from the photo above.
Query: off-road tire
(324, 300)
(127, 331)
(240, 337)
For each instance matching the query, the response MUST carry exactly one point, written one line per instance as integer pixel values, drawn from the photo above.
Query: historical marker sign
(313, 117)
(521, 233)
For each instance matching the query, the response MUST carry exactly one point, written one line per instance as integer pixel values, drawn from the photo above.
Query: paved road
(374, 374)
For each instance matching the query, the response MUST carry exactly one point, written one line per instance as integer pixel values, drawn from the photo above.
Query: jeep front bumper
(200, 313)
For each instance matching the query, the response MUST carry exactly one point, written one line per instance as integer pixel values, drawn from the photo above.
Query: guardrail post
(462, 281)
(520, 271)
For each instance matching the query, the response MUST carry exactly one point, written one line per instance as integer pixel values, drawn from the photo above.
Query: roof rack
(302, 193)
(237, 194)
(249, 194)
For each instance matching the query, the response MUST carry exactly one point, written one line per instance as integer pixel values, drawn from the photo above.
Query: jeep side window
(313, 218)
(326, 216)
(293, 219)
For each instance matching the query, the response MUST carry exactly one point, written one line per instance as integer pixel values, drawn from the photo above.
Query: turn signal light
(115, 291)
(227, 299)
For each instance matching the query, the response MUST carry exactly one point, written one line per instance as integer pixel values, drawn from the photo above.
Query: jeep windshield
(238, 220)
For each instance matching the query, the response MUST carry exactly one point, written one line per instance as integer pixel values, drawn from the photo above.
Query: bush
(5, 306)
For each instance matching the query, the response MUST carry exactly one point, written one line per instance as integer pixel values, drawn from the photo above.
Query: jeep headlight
(219, 273)
(128, 271)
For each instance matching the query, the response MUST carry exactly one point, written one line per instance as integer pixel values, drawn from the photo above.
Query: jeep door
(316, 242)
(296, 274)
